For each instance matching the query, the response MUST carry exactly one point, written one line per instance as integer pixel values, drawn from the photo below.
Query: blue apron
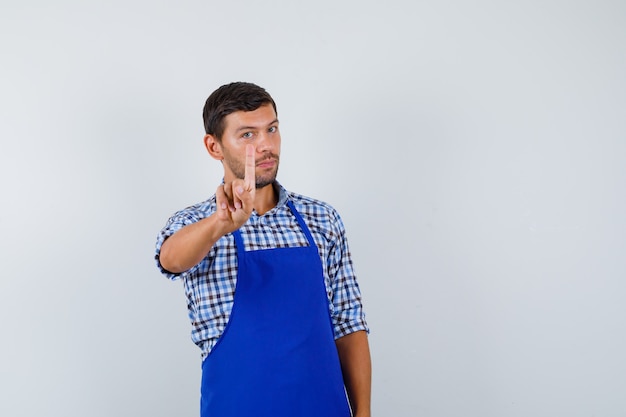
(277, 356)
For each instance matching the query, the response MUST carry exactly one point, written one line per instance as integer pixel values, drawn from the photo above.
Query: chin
(265, 181)
(262, 184)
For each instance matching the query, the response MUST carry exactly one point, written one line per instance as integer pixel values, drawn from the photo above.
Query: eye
(247, 135)
(273, 129)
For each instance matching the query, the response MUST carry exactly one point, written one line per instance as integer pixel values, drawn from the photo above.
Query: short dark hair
(229, 98)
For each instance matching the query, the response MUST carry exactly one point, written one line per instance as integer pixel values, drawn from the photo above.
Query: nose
(264, 142)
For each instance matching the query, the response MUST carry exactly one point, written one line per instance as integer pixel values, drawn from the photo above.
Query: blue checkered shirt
(210, 285)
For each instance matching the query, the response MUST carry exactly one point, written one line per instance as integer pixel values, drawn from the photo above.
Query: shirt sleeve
(347, 309)
(174, 224)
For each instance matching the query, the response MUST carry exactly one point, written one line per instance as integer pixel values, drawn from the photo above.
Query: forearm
(188, 246)
(354, 355)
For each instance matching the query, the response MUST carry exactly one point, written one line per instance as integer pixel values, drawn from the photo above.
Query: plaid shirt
(210, 285)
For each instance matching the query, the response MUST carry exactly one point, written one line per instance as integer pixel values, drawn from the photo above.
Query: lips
(266, 163)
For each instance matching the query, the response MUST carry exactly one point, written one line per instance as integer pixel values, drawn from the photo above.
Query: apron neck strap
(302, 224)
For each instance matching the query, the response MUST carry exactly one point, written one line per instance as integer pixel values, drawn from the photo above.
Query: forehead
(259, 118)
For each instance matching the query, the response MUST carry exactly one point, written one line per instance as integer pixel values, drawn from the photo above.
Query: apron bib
(277, 356)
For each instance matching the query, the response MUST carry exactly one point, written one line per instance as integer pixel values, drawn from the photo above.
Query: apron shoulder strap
(302, 224)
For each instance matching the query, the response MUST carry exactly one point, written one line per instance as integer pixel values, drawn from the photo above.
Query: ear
(214, 147)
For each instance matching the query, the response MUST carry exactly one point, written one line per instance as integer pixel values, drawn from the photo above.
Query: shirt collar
(282, 194)
(283, 197)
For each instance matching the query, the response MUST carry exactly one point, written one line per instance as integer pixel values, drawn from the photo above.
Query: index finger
(250, 173)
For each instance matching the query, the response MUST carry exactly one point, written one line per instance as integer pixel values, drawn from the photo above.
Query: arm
(234, 200)
(189, 245)
(349, 324)
(354, 355)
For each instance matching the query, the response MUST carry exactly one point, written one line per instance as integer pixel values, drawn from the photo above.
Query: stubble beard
(239, 169)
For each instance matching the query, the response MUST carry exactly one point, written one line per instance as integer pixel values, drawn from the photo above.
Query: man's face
(259, 128)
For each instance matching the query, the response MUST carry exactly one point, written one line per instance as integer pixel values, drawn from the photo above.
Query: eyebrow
(275, 121)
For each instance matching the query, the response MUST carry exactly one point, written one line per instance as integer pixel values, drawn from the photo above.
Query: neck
(265, 199)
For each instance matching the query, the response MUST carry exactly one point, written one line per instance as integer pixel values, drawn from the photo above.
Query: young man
(272, 297)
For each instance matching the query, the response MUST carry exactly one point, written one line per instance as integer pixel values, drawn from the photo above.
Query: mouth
(266, 163)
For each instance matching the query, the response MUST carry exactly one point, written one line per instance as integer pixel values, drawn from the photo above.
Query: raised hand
(235, 200)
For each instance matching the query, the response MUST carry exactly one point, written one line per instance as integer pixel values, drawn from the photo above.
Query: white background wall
(476, 151)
